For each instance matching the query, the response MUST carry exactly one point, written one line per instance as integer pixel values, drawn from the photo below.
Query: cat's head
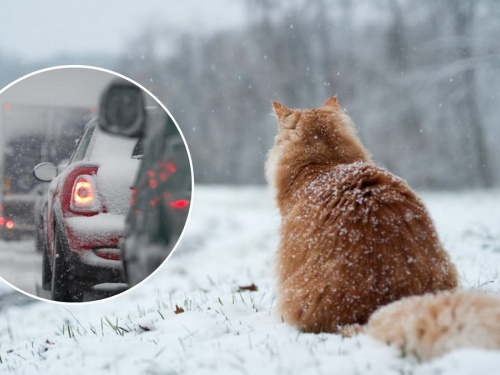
(322, 136)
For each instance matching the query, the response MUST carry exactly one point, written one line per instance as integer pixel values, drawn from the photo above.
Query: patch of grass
(114, 326)
(67, 329)
(404, 350)
(159, 312)
(9, 331)
(92, 329)
(79, 325)
(141, 311)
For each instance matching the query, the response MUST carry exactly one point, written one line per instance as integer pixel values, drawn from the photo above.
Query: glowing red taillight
(83, 192)
(9, 224)
(2, 221)
(180, 204)
(83, 195)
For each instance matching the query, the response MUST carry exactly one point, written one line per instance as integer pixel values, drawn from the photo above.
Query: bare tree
(463, 13)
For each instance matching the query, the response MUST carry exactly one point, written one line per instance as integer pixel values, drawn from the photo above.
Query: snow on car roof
(104, 146)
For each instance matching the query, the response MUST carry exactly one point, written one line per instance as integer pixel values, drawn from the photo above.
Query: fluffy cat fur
(354, 237)
(429, 326)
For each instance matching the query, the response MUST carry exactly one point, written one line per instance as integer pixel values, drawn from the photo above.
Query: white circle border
(90, 67)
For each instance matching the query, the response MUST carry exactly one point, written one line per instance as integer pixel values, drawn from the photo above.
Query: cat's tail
(431, 325)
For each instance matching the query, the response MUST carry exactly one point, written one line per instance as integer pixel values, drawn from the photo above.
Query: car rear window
(82, 145)
(106, 147)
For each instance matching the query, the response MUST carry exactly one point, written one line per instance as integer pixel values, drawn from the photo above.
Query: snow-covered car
(86, 208)
(162, 190)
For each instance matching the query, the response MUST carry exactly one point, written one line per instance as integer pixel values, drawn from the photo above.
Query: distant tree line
(420, 80)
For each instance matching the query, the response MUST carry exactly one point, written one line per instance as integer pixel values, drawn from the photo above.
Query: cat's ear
(332, 103)
(280, 110)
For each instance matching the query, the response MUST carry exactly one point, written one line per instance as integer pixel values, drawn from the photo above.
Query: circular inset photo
(95, 184)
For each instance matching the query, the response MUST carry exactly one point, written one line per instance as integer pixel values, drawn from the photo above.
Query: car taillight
(83, 195)
(9, 224)
(2, 221)
(180, 204)
(83, 192)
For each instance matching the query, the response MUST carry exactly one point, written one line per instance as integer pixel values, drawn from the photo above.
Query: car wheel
(65, 286)
(39, 239)
(46, 271)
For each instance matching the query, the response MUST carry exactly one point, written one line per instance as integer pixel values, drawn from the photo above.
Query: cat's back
(361, 204)
(348, 188)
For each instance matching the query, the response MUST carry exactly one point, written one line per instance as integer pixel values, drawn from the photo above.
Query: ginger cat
(354, 237)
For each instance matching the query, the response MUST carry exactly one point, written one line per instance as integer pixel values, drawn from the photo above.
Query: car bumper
(93, 246)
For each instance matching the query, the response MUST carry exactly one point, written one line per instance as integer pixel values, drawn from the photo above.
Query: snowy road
(191, 317)
(21, 264)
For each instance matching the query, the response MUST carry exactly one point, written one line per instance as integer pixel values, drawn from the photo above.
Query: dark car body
(161, 199)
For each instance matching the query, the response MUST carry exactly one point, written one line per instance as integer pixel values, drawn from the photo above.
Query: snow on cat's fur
(354, 237)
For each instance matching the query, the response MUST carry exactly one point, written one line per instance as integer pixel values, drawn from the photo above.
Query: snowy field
(230, 242)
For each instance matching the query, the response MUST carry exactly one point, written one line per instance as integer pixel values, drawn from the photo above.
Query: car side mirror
(122, 110)
(45, 171)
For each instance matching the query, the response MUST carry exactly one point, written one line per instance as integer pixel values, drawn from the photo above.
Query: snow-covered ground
(230, 242)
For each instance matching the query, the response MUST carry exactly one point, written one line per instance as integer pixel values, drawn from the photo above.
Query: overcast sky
(40, 29)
